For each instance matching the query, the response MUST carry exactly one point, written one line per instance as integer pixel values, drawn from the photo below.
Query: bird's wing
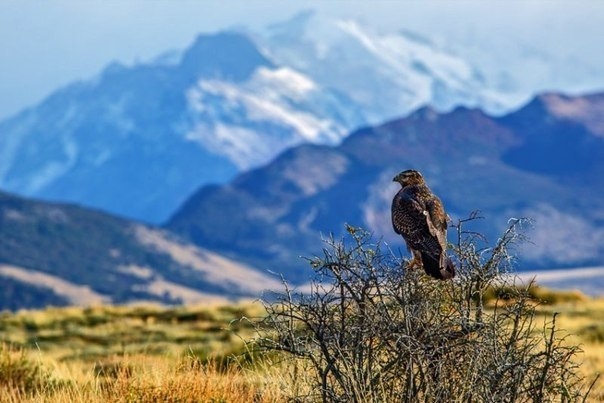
(437, 220)
(395, 214)
(405, 212)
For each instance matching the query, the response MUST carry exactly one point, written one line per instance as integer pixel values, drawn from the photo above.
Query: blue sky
(47, 44)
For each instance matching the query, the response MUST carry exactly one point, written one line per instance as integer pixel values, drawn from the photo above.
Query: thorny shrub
(368, 330)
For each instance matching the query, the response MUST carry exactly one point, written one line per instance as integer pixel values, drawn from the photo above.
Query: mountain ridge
(313, 190)
(225, 239)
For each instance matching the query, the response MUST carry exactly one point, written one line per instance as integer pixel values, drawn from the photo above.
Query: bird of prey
(418, 215)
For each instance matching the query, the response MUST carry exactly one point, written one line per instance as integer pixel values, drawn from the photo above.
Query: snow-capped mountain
(390, 74)
(138, 140)
(246, 122)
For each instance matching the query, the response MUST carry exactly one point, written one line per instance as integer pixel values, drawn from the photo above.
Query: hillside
(542, 161)
(56, 254)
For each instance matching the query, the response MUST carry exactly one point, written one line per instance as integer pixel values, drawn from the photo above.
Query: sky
(48, 44)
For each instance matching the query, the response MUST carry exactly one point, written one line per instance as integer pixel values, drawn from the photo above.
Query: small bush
(592, 333)
(538, 294)
(370, 331)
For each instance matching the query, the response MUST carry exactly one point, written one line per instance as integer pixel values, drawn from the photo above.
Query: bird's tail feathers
(442, 269)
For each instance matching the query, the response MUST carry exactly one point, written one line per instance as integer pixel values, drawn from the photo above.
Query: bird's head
(409, 177)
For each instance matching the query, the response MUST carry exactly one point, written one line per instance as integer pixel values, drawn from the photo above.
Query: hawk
(418, 215)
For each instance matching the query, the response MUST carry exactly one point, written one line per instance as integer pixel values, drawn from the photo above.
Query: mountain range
(188, 177)
(138, 140)
(544, 161)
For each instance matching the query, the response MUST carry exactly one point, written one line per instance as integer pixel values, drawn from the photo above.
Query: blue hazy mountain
(138, 140)
(544, 161)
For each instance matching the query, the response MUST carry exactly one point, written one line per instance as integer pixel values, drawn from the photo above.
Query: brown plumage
(418, 215)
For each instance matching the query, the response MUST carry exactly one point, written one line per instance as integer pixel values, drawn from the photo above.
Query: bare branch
(372, 331)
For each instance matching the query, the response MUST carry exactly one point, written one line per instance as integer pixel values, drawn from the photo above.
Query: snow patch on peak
(291, 82)
(253, 121)
(407, 57)
(244, 147)
(53, 169)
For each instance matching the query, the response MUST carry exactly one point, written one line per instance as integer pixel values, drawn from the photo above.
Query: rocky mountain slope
(544, 161)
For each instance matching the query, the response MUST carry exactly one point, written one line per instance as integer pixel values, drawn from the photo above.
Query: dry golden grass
(582, 320)
(131, 354)
(151, 353)
(147, 379)
(90, 334)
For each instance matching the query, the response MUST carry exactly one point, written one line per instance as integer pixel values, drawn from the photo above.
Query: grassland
(188, 354)
(130, 354)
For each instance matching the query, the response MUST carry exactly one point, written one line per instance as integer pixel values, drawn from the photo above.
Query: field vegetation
(132, 354)
(192, 354)
(365, 330)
